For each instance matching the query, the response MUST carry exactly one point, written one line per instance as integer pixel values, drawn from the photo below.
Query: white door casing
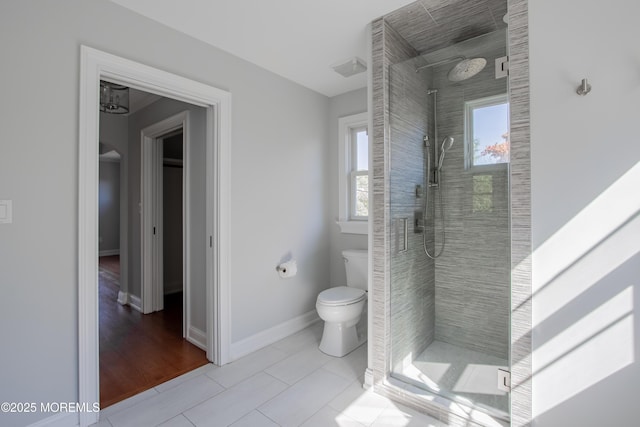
(152, 214)
(96, 65)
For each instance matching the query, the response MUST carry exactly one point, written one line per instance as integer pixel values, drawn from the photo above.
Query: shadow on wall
(584, 318)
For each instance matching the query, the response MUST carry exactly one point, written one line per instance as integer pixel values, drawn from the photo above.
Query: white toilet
(341, 307)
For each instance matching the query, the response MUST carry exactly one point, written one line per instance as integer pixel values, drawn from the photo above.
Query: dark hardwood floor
(138, 352)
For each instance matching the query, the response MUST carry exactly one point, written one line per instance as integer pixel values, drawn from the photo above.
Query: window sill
(353, 227)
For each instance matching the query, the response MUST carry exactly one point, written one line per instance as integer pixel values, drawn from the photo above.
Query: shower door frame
(378, 374)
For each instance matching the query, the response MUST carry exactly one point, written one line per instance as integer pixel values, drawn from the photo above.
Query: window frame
(348, 126)
(469, 107)
(354, 173)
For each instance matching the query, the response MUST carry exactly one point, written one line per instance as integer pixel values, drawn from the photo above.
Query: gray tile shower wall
(473, 274)
(387, 48)
(412, 272)
(521, 289)
(429, 25)
(385, 52)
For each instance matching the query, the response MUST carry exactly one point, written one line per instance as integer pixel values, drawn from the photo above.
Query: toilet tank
(356, 264)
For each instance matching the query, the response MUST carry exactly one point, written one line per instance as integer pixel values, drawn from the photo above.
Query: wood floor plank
(138, 352)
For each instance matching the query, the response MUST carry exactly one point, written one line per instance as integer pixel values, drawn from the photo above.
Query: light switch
(5, 212)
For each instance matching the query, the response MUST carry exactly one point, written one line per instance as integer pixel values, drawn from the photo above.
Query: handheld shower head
(447, 143)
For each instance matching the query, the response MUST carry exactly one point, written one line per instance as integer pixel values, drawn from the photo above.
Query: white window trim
(469, 106)
(345, 124)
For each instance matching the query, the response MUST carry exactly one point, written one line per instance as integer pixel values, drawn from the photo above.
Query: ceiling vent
(353, 66)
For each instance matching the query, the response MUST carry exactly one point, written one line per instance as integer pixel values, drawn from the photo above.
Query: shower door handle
(404, 225)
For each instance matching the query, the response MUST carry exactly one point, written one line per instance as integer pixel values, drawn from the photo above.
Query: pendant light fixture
(114, 98)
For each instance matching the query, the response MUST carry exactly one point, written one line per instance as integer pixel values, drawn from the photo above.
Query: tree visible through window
(487, 131)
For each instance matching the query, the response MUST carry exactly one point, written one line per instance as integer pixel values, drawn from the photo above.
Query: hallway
(138, 352)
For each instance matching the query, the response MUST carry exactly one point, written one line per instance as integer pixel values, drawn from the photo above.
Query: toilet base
(339, 340)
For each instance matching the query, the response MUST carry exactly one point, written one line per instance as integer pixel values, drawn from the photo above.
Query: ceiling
(297, 39)
(436, 24)
(139, 99)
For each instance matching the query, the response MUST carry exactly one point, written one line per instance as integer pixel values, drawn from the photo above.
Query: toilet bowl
(341, 307)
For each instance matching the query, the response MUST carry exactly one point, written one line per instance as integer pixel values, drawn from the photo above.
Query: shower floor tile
(454, 370)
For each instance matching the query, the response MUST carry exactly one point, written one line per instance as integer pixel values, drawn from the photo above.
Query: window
(359, 203)
(353, 162)
(487, 132)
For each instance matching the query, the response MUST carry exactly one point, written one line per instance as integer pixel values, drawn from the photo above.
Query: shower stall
(449, 233)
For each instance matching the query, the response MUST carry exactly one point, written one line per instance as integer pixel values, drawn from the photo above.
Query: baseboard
(123, 298)
(197, 337)
(271, 335)
(135, 302)
(63, 419)
(368, 378)
(109, 252)
(130, 300)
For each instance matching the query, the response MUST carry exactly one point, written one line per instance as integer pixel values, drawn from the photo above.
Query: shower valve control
(418, 222)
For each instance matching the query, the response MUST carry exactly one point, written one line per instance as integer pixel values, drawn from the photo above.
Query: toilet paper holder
(281, 268)
(287, 269)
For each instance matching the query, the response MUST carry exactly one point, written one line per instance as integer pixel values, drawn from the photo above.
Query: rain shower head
(447, 143)
(466, 69)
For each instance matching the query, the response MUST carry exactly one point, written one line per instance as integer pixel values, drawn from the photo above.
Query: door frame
(152, 229)
(96, 65)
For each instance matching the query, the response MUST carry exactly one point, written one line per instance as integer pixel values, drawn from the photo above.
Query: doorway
(97, 65)
(172, 224)
(166, 221)
(142, 340)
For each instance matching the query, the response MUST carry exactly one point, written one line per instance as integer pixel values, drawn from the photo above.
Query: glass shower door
(450, 313)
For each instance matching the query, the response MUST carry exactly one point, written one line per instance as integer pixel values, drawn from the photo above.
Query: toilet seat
(341, 295)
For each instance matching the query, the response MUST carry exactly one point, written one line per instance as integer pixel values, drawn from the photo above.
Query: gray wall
(114, 133)
(339, 106)
(472, 274)
(585, 180)
(279, 147)
(109, 206)
(141, 119)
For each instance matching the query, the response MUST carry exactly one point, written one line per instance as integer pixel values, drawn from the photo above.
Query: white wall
(339, 106)
(585, 205)
(279, 188)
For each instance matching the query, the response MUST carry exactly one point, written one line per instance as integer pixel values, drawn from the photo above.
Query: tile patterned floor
(289, 383)
(458, 371)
